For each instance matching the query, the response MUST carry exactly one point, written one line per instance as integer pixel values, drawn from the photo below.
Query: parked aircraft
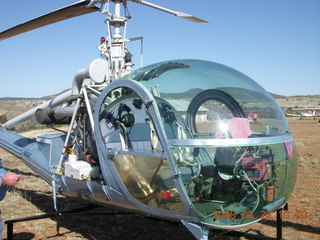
(304, 113)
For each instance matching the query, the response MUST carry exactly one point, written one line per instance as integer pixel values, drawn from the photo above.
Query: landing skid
(46, 215)
(202, 233)
(263, 237)
(197, 231)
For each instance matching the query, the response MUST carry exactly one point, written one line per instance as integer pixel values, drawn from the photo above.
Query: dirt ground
(32, 196)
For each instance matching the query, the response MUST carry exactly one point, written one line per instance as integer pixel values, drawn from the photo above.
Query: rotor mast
(117, 13)
(114, 50)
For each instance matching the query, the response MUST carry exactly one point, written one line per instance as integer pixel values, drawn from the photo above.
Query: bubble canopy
(224, 137)
(208, 95)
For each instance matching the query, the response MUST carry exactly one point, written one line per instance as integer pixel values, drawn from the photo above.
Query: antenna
(141, 47)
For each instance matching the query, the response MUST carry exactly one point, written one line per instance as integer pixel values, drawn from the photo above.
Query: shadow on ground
(101, 223)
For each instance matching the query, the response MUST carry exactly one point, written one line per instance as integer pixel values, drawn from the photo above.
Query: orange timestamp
(284, 214)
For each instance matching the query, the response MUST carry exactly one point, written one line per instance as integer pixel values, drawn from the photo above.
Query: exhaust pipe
(54, 116)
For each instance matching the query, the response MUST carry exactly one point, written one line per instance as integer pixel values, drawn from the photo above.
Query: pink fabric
(237, 128)
(289, 148)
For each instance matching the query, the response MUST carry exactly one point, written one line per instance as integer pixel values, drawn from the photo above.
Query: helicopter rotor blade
(73, 10)
(178, 14)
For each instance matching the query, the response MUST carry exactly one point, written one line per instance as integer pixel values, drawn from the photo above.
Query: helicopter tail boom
(28, 151)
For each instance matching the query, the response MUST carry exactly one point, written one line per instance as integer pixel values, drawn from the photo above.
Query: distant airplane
(253, 116)
(305, 113)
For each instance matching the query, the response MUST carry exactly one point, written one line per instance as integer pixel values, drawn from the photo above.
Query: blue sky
(275, 42)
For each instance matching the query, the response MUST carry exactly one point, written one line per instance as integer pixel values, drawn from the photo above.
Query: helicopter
(172, 140)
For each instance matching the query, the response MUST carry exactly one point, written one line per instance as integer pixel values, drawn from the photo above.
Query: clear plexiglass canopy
(228, 139)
